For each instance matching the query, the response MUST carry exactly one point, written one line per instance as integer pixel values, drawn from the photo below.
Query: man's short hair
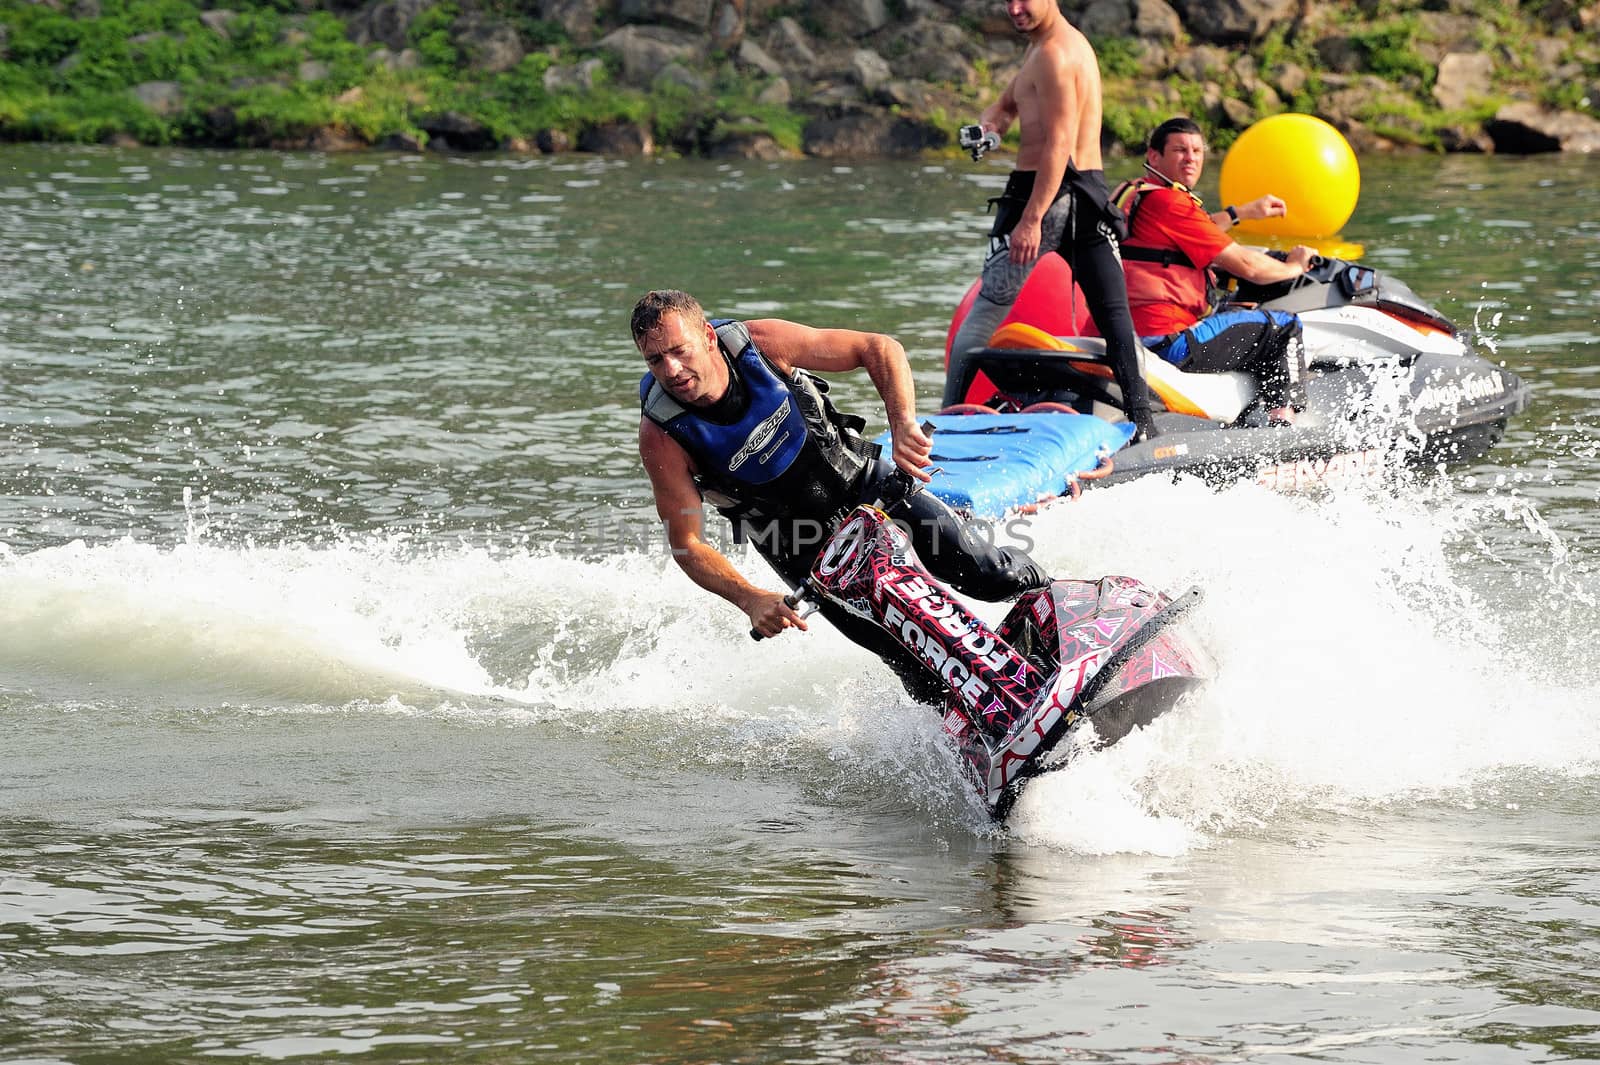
(657, 304)
(1178, 124)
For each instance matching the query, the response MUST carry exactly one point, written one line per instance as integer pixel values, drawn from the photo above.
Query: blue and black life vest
(788, 453)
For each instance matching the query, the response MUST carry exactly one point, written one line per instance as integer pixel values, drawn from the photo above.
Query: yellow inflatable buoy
(1303, 161)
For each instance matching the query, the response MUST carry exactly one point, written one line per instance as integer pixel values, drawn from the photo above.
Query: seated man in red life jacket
(1172, 245)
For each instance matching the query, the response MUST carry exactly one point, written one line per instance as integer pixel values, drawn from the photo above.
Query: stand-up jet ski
(1390, 379)
(1105, 652)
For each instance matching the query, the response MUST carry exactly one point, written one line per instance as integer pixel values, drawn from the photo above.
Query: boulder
(220, 125)
(906, 95)
(931, 50)
(1362, 140)
(1363, 95)
(1524, 128)
(1155, 20)
(575, 17)
(1441, 32)
(848, 19)
(1465, 139)
(645, 51)
(790, 45)
(1233, 21)
(1202, 62)
(986, 16)
(552, 141)
(684, 78)
(1290, 79)
(752, 55)
(1237, 113)
(617, 138)
(1104, 19)
(1340, 54)
(1548, 52)
(687, 14)
(1579, 15)
(744, 140)
(777, 93)
(218, 21)
(837, 97)
(580, 78)
(165, 98)
(869, 69)
(1462, 77)
(870, 135)
(490, 46)
(386, 23)
(334, 139)
(400, 142)
(727, 24)
(459, 132)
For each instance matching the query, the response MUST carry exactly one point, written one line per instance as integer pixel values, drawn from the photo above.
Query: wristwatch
(1233, 213)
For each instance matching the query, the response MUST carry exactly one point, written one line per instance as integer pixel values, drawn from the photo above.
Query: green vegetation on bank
(272, 73)
(269, 74)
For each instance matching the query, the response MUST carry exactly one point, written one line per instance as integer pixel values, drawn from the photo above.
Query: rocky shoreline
(762, 79)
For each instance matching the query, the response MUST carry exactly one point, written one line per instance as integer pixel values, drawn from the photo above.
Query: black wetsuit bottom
(956, 550)
(1089, 229)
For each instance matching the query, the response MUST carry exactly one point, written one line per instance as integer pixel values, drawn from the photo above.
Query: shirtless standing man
(1056, 199)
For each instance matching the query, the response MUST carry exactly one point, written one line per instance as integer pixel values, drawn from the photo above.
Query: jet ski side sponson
(1341, 336)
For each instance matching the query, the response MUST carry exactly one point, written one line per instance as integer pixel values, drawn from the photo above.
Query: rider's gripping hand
(770, 613)
(1300, 256)
(913, 448)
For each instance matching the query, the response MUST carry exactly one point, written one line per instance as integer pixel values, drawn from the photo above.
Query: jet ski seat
(1219, 397)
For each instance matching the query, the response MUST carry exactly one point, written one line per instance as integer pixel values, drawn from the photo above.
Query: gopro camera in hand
(977, 141)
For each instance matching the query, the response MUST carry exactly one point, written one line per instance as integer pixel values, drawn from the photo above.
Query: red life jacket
(1157, 272)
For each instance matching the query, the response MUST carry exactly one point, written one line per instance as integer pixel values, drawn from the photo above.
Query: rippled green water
(344, 708)
(378, 341)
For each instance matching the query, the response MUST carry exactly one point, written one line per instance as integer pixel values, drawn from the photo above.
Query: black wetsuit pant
(959, 552)
(1264, 343)
(1084, 228)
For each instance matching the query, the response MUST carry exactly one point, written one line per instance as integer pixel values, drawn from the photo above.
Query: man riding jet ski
(732, 414)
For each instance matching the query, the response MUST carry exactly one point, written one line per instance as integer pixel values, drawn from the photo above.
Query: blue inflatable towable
(994, 463)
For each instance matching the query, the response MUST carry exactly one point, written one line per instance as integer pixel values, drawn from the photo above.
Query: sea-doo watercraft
(1391, 381)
